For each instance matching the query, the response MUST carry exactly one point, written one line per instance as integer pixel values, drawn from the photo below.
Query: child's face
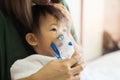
(49, 30)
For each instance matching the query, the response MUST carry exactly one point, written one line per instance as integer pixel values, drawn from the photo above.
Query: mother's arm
(59, 70)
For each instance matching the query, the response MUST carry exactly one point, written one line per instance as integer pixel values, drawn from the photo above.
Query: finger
(76, 77)
(78, 53)
(59, 6)
(77, 69)
(73, 60)
(75, 54)
(62, 9)
(78, 48)
(77, 74)
(65, 13)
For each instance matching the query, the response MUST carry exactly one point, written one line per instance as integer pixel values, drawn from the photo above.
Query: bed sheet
(104, 68)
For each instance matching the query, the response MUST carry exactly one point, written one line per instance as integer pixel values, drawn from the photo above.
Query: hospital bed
(106, 67)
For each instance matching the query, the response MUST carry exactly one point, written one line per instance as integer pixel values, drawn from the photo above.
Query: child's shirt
(25, 67)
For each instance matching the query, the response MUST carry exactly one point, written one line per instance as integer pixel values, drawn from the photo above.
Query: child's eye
(53, 29)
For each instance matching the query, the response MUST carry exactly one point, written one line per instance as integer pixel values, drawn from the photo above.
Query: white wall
(112, 18)
(74, 6)
(93, 14)
(92, 28)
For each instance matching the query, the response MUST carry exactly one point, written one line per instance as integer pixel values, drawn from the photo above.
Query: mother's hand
(67, 69)
(62, 69)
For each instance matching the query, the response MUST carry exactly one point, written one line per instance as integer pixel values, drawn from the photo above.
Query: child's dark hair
(40, 11)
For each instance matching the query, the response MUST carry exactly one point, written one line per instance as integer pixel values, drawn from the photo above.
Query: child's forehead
(52, 19)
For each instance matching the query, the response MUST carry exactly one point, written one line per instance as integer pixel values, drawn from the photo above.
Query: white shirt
(25, 67)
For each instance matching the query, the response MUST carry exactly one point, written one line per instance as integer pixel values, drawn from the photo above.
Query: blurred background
(97, 26)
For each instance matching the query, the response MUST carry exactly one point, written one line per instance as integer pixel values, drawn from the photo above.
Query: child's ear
(31, 39)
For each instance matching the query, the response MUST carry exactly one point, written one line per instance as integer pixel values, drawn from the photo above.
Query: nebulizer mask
(65, 48)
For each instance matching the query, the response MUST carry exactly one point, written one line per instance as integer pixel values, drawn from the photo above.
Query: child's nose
(62, 30)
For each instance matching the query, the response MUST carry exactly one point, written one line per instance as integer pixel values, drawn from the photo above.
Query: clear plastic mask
(65, 46)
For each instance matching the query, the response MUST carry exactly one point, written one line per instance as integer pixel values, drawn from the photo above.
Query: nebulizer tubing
(54, 47)
(56, 51)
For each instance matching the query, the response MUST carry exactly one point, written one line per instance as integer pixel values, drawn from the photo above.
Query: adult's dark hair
(18, 9)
